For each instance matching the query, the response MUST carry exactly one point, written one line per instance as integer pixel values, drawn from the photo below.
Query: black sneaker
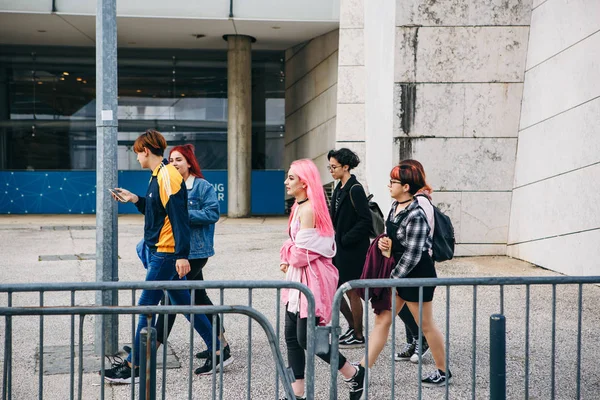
(357, 383)
(121, 372)
(415, 356)
(352, 342)
(295, 397)
(347, 334)
(127, 349)
(407, 352)
(205, 354)
(437, 378)
(207, 368)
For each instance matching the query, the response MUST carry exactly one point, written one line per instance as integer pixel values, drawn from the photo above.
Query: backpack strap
(350, 193)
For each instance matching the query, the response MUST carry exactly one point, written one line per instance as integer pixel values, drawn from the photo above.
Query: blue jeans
(161, 267)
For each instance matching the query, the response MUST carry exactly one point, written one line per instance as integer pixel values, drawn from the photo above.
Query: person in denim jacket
(203, 210)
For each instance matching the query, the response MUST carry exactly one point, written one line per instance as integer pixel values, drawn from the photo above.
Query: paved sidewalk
(248, 249)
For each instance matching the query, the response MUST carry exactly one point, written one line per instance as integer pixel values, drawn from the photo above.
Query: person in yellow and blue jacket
(166, 245)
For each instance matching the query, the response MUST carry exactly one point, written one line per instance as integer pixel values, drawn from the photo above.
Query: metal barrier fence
(282, 373)
(498, 384)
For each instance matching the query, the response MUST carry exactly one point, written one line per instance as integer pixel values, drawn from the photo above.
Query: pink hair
(309, 175)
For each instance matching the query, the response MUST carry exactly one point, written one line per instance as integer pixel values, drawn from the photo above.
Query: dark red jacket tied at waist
(377, 266)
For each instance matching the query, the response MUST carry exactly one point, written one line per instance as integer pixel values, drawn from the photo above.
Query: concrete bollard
(497, 357)
(147, 352)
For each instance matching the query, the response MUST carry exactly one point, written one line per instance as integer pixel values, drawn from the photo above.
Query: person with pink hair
(306, 257)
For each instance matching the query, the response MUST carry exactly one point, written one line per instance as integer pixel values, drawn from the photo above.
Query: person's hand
(125, 195)
(183, 267)
(384, 244)
(284, 267)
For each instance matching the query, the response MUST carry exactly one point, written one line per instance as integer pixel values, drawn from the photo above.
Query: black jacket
(352, 226)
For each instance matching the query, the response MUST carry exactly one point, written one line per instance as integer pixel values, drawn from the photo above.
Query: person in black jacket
(352, 223)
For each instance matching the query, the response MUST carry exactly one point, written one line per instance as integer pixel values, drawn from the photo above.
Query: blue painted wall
(74, 192)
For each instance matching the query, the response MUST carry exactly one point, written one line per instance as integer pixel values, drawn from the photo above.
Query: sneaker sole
(442, 384)
(225, 363)
(352, 346)
(416, 359)
(397, 358)
(122, 381)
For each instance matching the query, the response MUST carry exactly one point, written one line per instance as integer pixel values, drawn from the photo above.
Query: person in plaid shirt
(408, 240)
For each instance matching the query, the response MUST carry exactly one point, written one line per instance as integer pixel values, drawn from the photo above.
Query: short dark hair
(345, 157)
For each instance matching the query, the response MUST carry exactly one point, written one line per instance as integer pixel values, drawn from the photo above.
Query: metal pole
(497, 357)
(106, 168)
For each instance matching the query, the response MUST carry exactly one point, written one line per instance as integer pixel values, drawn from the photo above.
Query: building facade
(500, 101)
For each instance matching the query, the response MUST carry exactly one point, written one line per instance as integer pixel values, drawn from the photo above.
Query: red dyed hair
(426, 189)
(187, 151)
(409, 175)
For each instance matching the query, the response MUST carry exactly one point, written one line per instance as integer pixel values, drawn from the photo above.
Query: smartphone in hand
(117, 194)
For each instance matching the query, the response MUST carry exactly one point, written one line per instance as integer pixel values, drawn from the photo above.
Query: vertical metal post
(106, 168)
(148, 363)
(497, 357)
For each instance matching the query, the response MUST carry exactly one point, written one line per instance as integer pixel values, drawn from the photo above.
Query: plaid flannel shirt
(413, 234)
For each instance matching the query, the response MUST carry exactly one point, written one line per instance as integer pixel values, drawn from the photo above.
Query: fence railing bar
(41, 364)
(191, 364)
(310, 352)
(553, 356)
(134, 350)
(277, 334)
(213, 323)
(249, 362)
(447, 362)
(102, 360)
(579, 326)
(80, 369)
(393, 294)
(502, 299)
(420, 354)
(527, 310)
(366, 336)
(222, 331)
(7, 372)
(164, 339)
(474, 347)
(72, 352)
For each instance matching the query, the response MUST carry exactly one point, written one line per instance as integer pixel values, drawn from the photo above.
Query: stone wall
(554, 218)
(459, 70)
(311, 76)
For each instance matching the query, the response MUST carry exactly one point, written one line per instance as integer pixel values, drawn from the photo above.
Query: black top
(352, 224)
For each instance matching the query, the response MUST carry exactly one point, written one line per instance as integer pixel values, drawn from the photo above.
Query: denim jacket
(203, 209)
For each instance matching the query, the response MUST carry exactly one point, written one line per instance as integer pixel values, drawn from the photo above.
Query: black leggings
(201, 299)
(412, 328)
(295, 338)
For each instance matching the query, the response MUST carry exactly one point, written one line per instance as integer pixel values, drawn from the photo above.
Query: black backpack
(443, 235)
(377, 221)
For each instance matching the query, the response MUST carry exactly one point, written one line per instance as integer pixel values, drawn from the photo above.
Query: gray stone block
(463, 164)
(459, 110)
(551, 32)
(352, 13)
(563, 82)
(463, 12)
(461, 54)
(569, 141)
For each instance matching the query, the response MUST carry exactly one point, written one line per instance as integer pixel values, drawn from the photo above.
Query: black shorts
(424, 269)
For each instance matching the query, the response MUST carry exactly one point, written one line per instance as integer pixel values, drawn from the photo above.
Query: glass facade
(47, 106)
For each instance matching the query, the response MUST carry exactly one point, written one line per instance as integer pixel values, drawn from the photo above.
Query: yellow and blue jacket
(167, 224)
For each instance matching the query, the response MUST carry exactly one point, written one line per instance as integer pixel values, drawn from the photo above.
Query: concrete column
(239, 125)
(379, 26)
